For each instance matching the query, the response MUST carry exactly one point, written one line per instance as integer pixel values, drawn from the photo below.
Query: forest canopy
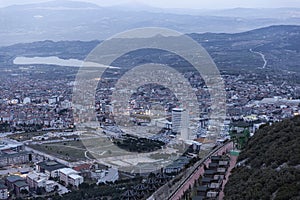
(269, 165)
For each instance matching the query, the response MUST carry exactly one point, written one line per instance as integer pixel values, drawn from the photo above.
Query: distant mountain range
(279, 45)
(68, 20)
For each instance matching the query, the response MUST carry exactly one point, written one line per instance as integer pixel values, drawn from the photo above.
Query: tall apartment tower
(180, 122)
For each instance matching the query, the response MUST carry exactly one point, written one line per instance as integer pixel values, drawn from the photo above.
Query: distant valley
(278, 44)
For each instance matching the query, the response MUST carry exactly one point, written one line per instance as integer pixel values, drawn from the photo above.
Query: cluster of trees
(140, 145)
(110, 191)
(271, 168)
(6, 127)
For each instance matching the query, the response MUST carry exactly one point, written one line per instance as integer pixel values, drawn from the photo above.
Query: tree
(24, 192)
(272, 154)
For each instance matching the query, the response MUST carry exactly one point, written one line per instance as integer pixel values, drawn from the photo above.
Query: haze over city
(149, 100)
(188, 4)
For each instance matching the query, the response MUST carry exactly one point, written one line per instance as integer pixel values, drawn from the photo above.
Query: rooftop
(75, 176)
(2, 186)
(68, 171)
(21, 184)
(10, 155)
(210, 172)
(51, 165)
(82, 167)
(202, 188)
(198, 198)
(206, 179)
(6, 143)
(178, 109)
(213, 164)
(14, 178)
(36, 175)
(111, 175)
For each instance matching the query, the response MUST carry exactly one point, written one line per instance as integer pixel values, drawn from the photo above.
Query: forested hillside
(269, 165)
(230, 52)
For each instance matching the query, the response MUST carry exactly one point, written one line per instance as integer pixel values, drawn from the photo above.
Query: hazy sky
(195, 4)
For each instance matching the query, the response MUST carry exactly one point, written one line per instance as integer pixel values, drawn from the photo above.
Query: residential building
(3, 191)
(12, 157)
(11, 180)
(75, 180)
(16, 184)
(35, 180)
(50, 168)
(8, 144)
(70, 177)
(19, 186)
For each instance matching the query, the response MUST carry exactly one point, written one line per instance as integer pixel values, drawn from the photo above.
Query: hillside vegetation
(279, 44)
(269, 164)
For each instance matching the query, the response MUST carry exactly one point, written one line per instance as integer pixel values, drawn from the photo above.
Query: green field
(76, 150)
(71, 150)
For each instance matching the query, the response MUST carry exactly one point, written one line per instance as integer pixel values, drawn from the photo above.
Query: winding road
(262, 56)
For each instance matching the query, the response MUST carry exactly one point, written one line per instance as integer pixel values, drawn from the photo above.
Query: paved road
(262, 56)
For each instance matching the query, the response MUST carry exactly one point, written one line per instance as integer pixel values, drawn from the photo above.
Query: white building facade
(70, 177)
(180, 122)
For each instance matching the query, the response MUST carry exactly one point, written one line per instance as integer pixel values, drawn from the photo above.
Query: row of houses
(212, 180)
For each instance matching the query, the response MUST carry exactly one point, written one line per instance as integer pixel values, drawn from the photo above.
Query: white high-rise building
(180, 122)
